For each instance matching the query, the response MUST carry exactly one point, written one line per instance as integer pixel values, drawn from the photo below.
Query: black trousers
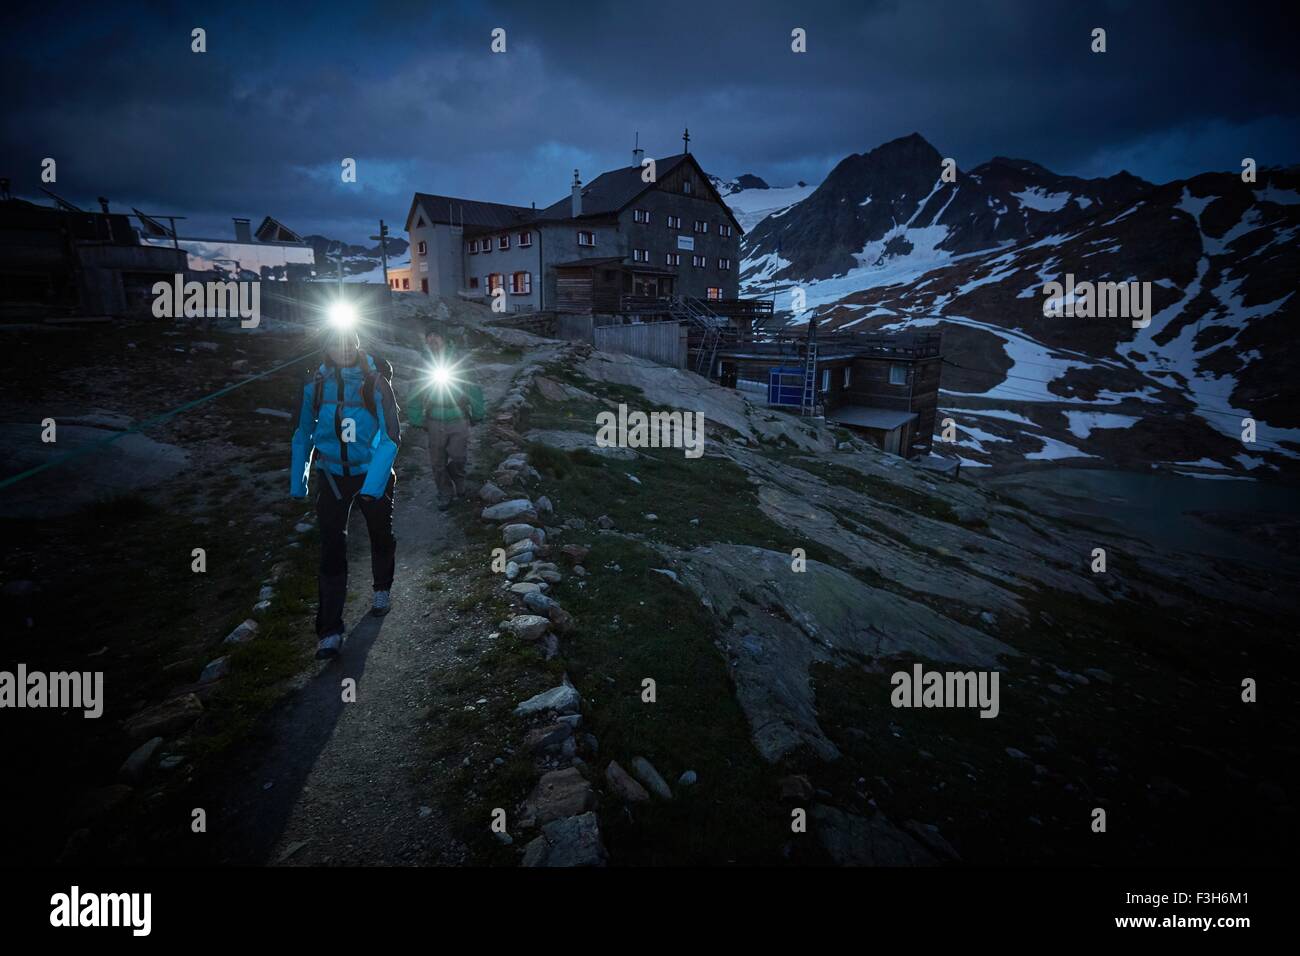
(332, 513)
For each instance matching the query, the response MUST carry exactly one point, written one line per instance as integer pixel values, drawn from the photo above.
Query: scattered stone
(491, 494)
(563, 699)
(215, 670)
(544, 506)
(512, 570)
(559, 794)
(302, 527)
(796, 787)
(524, 587)
(519, 532)
(1015, 754)
(623, 786)
(242, 634)
(651, 517)
(134, 767)
(1096, 673)
(575, 552)
(171, 761)
(606, 522)
(516, 508)
(527, 627)
(688, 779)
(166, 719)
(266, 593)
(522, 546)
(672, 575)
(571, 842)
(261, 607)
(539, 603)
(645, 772)
(548, 737)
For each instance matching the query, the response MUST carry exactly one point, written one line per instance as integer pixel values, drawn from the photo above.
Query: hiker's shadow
(300, 729)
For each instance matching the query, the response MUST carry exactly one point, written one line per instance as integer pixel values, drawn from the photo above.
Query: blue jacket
(375, 435)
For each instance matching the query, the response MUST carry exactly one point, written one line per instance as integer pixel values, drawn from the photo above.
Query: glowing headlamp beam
(342, 316)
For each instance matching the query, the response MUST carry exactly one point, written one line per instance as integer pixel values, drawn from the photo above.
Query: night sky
(259, 123)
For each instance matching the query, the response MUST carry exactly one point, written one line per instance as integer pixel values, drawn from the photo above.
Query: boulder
(520, 532)
(645, 772)
(559, 794)
(623, 786)
(242, 634)
(491, 494)
(527, 627)
(520, 509)
(563, 699)
(135, 765)
(571, 842)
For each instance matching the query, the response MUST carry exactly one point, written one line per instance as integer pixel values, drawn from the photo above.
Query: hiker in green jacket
(445, 404)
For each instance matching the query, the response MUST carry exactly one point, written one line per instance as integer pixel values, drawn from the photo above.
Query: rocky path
(341, 783)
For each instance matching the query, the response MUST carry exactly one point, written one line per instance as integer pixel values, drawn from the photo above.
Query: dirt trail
(339, 783)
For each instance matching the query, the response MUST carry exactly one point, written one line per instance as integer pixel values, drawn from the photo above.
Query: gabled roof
(272, 230)
(612, 192)
(468, 212)
(606, 195)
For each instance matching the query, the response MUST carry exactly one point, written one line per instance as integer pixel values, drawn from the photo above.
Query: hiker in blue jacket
(348, 431)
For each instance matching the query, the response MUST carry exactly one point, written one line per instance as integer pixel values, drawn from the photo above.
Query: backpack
(378, 367)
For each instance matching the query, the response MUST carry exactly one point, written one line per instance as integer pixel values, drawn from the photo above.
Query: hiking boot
(382, 604)
(330, 646)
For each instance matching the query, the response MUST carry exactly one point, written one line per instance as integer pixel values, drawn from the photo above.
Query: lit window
(673, 259)
(714, 292)
(406, 284)
(697, 261)
(897, 375)
(724, 231)
(521, 283)
(495, 280)
(640, 255)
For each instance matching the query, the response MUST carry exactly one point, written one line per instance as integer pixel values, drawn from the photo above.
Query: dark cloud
(260, 123)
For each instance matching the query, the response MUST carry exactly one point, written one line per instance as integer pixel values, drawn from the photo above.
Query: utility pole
(382, 238)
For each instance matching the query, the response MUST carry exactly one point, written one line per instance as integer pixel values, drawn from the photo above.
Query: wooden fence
(662, 342)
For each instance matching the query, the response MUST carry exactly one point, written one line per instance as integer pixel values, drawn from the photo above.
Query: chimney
(242, 231)
(637, 152)
(577, 195)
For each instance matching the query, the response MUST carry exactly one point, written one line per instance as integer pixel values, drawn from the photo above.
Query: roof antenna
(637, 151)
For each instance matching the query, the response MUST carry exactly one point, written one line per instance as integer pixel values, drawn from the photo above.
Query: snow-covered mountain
(885, 244)
(360, 263)
(752, 200)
